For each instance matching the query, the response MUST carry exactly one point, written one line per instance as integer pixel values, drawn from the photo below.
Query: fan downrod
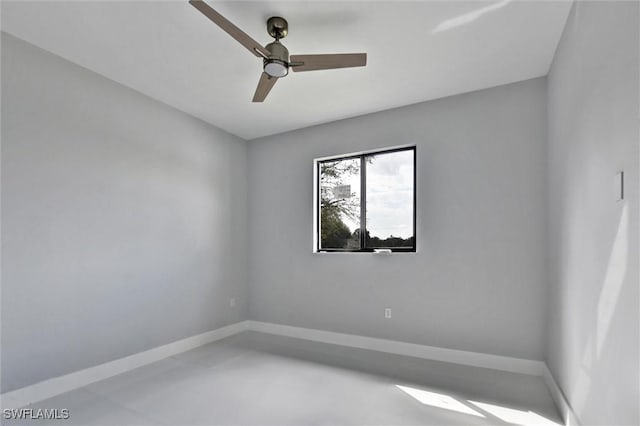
(277, 27)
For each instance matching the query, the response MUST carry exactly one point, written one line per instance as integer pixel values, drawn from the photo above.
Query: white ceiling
(417, 51)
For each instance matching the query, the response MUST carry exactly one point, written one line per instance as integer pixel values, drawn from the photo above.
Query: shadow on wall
(614, 278)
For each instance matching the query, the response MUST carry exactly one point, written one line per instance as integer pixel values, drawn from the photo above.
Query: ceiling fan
(275, 57)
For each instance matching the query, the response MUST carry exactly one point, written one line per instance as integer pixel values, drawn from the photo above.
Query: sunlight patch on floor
(513, 416)
(438, 400)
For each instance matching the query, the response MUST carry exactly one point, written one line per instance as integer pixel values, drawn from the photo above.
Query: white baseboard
(57, 385)
(476, 359)
(566, 412)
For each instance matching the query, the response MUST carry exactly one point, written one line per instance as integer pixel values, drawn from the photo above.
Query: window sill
(379, 253)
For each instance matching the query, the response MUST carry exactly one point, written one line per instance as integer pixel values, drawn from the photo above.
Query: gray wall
(593, 348)
(478, 279)
(123, 220)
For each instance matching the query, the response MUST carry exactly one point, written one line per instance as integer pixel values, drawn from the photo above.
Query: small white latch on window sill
(382, 251)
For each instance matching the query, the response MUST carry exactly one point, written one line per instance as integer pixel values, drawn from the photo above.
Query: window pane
(340, 204)
(390, 200)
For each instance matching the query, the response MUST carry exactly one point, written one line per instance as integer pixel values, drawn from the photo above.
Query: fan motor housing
(277, 64)
(278, 51)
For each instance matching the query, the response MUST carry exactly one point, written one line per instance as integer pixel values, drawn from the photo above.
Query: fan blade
(264, 87)
(235, 32)
(326, 62)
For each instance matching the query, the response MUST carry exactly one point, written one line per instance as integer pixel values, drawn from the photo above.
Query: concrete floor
(260, 379)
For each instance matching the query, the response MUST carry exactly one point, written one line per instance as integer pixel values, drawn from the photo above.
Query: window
(367, 202)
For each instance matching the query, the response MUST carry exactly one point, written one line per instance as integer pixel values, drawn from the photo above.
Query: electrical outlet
(232, 302)
(387, 313)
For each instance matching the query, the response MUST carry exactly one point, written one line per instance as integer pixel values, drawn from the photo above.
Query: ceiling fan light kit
(277, 64)
(275, 56)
